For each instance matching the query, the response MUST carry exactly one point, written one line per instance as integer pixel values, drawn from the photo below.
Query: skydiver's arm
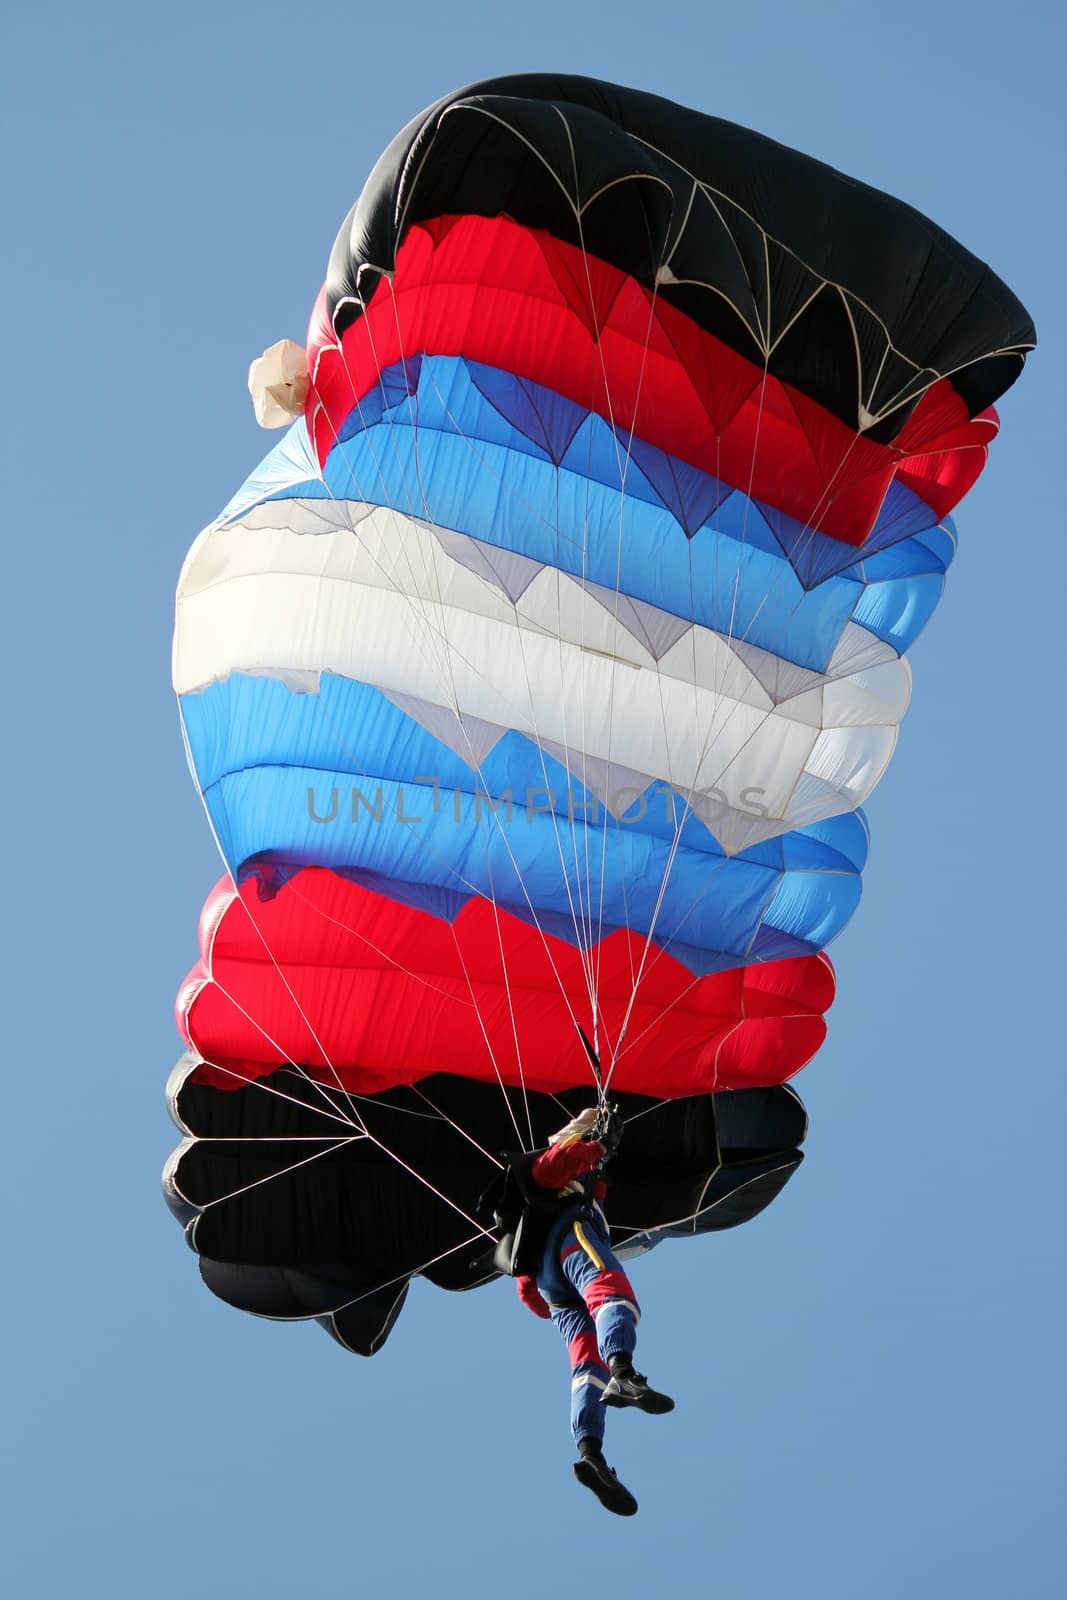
(561, 1164)
(530, 1295)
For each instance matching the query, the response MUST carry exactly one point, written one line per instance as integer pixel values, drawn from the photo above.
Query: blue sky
(870, 1376)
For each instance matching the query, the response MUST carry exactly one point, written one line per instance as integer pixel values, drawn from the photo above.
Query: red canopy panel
(368, 992)
(519, 299)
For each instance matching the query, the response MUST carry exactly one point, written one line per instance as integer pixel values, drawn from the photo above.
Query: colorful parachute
(533, 684)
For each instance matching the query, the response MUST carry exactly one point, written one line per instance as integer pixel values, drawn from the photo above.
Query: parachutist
(580, 1284)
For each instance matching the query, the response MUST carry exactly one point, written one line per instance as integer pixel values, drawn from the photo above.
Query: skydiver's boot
(629, 1388)
(593, 1471)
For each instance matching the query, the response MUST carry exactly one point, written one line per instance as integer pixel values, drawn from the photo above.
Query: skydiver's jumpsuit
(581, 1284)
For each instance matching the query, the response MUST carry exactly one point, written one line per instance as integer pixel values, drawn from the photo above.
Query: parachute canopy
(535, 682)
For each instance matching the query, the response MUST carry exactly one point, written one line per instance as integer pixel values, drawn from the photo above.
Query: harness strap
(579, 1234)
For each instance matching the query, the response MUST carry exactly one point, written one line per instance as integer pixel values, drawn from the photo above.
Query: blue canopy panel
(280, 777)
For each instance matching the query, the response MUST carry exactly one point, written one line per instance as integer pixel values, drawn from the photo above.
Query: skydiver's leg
(589, 1263)
(589, 1379)
(589, 1375)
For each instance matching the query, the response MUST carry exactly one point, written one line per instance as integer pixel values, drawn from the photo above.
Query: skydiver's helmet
(579, 1127)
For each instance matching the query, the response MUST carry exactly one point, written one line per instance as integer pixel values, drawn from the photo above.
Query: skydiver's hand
(531, 1296)
(608, 1129)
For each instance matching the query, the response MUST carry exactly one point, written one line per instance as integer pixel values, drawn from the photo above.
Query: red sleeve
(560, 1164)
(530, 1295)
